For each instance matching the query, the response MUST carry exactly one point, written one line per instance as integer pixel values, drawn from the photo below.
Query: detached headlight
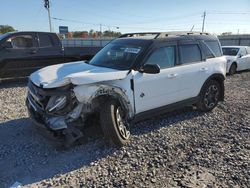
(56, 103)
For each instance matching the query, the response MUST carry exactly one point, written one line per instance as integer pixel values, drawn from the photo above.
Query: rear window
(214, 47)
(190, 53)
(45, 40)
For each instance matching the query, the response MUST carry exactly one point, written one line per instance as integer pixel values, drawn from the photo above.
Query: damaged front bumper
(60, 121)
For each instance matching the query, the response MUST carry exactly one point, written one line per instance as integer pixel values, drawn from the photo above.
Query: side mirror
(240, 55)
(150, 69)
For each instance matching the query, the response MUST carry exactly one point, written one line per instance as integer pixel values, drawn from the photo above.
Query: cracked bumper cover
(52, 122)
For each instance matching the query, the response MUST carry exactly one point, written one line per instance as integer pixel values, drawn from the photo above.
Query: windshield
(117, 56)
(230, 51)
(3, 35)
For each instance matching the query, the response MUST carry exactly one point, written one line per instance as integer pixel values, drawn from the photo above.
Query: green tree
(6, 29)
(112, 34)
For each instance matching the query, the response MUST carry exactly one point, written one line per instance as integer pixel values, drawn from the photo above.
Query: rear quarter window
(189, 53)
(214, 47)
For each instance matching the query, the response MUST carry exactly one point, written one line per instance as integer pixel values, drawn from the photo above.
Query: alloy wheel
(122, 128)
(211, 96)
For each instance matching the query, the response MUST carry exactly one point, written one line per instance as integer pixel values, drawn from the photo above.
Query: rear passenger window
(45, 40)
(189, 53)
(214, 47)
(164, 57)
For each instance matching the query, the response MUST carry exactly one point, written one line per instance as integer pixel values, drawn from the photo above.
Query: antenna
(203, 22)
(192, 28)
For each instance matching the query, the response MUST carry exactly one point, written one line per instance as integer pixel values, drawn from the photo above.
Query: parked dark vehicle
(22, 53)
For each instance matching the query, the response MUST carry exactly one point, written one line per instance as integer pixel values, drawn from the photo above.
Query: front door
(156, 90)
(18, 55)
(243, 60)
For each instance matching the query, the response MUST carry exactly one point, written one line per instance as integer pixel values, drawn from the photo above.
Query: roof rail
(146, 34)
(156, 35)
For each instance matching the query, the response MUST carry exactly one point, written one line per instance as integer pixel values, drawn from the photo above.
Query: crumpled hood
(77, 73)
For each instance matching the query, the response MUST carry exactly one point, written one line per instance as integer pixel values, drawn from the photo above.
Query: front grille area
(37, 97)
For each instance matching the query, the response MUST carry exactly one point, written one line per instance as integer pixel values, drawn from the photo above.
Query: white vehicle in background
(238, 58)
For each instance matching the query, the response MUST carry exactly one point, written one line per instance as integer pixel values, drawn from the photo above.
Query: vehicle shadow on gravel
(28, 155)
(165, 120)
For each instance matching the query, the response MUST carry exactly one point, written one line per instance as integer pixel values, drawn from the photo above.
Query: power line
(87, 23)
(128, 27)
(228, 12)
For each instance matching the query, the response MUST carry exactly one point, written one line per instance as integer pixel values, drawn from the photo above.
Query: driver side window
(164, 57)
(21, 41)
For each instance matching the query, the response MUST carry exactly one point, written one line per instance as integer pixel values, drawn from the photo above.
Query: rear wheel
(233, 69)
(209, 96)
(114, 126)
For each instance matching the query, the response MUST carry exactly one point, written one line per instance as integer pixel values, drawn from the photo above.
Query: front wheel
(232, 69)
(113, 123)
(209, 96)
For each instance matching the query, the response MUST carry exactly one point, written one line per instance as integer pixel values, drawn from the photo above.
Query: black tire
(114, 128)
(232, 69)
(209, 96)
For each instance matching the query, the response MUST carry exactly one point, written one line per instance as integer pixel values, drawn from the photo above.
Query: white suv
(133, 77)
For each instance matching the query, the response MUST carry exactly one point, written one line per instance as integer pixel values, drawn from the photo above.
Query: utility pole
(204, 18)
(47, 6)
(100, 30)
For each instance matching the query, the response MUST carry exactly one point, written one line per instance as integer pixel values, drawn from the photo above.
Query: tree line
(93, 34)
(6, 29)
(74, 34)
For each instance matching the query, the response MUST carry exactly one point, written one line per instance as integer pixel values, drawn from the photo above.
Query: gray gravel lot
(184, 148)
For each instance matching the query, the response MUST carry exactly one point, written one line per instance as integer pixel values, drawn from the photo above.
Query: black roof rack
(146, 34)
(156, 35)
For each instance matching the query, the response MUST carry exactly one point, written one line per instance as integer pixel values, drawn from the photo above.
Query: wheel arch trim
(220, 79)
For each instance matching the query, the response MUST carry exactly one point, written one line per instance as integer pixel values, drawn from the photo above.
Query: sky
(128, 15)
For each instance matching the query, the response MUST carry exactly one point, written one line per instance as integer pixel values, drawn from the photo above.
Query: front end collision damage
(85, 100)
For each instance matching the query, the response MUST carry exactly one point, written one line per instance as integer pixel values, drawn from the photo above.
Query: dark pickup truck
(21, 53)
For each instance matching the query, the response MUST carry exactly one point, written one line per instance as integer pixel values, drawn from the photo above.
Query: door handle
(203, 69)
(172, 75)
(33, 51)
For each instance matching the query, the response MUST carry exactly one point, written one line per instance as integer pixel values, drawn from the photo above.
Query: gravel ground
(185, 148)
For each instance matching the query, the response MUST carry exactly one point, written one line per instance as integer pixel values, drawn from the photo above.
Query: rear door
(18, 55)
(49, 50)
(193, 69)
(248, 58)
